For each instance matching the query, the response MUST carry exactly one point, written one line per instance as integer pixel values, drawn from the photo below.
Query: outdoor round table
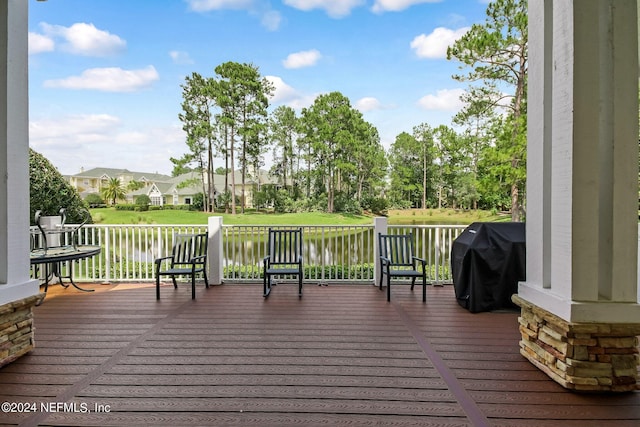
(58, 254)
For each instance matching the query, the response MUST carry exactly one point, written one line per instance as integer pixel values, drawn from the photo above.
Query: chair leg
(175, 284)
(206, 279)
(413, 282)
(300, 284)
(157, 286)
(193, 286)
(388, 288)
(267, 285)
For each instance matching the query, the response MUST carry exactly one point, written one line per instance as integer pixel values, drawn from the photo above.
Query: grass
(112, 216)
(409, 216)
(443, 216)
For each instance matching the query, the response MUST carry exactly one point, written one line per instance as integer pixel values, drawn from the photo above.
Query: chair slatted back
(285, 246)
(397, 248)
(188, 246)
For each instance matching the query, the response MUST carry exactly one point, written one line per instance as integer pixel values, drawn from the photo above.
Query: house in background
(166, 190)
(94, 180)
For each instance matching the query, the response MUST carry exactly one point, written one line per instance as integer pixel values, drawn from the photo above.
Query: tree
(113, 191)
(423, 135)
(406, 164)
(197, 119)
(243, 96)
(180, 166)
(283, 126)
(477, 117)
(496, 52)
(49, 191)
(370, 161)
(333, 131)
(135, 185)
(453, 164)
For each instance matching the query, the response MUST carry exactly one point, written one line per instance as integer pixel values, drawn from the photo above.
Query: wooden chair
(188, 258)
(284, 257)
(397, 259)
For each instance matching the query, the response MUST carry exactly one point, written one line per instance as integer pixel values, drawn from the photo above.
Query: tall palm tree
(114, 191)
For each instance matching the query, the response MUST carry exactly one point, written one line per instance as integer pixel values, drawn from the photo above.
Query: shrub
(377, 205)
(125, 207)
(94, 200)
(49, 192)
(198, 202)
(142, 199)
(345, 203)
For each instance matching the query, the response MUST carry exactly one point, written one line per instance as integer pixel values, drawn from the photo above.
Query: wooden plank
(341, 355)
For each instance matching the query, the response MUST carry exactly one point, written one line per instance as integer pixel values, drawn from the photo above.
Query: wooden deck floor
(340, 356)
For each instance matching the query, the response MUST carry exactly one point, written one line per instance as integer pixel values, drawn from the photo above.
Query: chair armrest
(422, 261)
(385, 261)
(198, 259)
(158, 261)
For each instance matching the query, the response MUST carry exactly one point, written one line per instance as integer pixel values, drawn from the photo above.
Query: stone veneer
(580, 356)
(16, 328)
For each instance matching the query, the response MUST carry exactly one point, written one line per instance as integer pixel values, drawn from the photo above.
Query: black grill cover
(487, 262)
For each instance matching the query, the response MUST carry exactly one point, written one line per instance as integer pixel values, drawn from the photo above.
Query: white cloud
(435, 44)
(271, 20)
(287, 95)
(102, 140)
(368, 103)
(305, 58)
(207, 5)
(334, 8)
(282, 92)
(108, 80)
(180, 57)
(381, 6)
(39, 43)
(72, 130)
(85, 39)
(443, 100)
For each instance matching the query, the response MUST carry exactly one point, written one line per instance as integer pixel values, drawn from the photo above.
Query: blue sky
(105, 75)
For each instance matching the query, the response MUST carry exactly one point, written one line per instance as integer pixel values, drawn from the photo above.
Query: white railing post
(215, 250)
(437, 255)
(107, 256)
(380, 225)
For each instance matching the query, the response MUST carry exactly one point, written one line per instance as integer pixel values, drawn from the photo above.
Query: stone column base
(16, 328)
(597, 357)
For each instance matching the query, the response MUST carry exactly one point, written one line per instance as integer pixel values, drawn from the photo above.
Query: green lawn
(443, 216)
(411, 216)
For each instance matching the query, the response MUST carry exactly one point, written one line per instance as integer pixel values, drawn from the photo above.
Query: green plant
(49, 191)
(142, 202)
(94, 200)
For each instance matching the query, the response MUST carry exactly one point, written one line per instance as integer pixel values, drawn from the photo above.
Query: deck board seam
(468, 404)
(72, 390)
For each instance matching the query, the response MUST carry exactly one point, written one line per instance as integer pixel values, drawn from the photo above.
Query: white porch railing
(333, 253)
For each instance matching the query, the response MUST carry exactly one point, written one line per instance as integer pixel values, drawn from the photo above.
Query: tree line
(329, 158)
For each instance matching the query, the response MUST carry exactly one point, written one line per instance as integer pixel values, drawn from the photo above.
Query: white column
(582, 189)
(15, 283)
(215, 250)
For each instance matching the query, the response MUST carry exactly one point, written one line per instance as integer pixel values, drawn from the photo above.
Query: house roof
(114, 173)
